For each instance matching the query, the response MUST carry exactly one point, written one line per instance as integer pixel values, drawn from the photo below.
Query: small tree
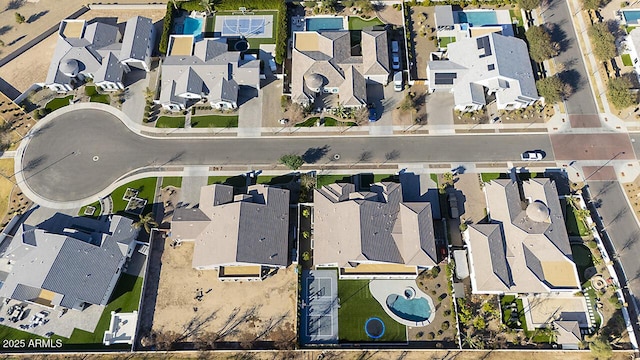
(292, 161)
(306, 213)
(19, 18)
(541, 47)
(448, 177)
(407, 103)
(601, 348)
(553, 89)
(365, 6)
(329, 5)
(602, 42)
(591, 4)
(307, 181)
(306, 234)
(528, 4)
(619, 93)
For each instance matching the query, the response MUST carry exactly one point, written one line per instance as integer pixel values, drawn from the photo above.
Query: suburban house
(372, 234)
(524, 249)
(325, 62)
(242, 236)
(205, 72)
(633, 45)
(98, 51)
(455, 25)
(479, 70)
(69, 262)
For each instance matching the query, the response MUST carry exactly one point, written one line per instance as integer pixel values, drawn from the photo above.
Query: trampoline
(374, 327)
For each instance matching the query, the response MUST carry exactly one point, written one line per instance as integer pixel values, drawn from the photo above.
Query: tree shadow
(14, 4)
(571, 77)
(16, 40)
(5, 29)
(313, 155)
(559, 36)
(36, 16)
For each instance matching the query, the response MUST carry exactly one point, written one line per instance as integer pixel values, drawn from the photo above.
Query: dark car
(373, 115)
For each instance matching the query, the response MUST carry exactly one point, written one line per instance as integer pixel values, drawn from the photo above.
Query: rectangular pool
(478, 18)
(631, 17)
(324, 23)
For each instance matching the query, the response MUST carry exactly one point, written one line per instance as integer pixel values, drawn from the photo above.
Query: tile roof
(249, 230)
(518, 253)
(372, 226)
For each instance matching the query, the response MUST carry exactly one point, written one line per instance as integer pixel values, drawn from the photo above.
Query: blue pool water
(478, 18)
(631, 16)
(192, 26)
(416, 309)
(324, 23)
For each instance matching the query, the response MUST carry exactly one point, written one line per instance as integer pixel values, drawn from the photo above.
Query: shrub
(444, 326)
(528, 4)
(192, 5)
(602, 42)
(619, 93)
(309, 4)
(19, 18)
(431, 336)
(446, 312)
(167, 24)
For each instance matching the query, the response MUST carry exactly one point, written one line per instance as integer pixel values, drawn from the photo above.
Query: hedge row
(167, 24)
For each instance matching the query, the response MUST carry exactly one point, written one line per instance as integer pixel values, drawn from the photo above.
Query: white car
(395, 62)
(532, 155)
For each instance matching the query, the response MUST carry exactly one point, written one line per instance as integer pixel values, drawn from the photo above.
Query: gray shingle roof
(204, 70)
(98, 44)
(79, 270)
(110, 70)
(136, 38)
(331, 57)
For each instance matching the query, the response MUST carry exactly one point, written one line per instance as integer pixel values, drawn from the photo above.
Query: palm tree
(147, 222)
(175, 3)
(208, 5)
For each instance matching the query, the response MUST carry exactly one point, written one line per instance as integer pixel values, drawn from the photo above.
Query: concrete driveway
(440, 113)
(385, 100)
(249, 112)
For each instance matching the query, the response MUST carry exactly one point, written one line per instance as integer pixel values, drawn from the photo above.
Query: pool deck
(381, 289)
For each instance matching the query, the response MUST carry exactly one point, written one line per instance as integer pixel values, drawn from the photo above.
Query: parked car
(395, 62)
(373, 115)
(397, 81)
(532, 155)
(395, 47)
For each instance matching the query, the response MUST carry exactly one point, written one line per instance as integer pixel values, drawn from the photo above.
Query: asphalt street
(63, 163)
(581, 102)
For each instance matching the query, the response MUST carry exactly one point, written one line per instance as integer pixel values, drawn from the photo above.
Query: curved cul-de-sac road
(79, 153)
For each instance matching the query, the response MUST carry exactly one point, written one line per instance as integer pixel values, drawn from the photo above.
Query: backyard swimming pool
(478, 18)
(631, 17)
(324, 23)
(189, 26)
(412, 309)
